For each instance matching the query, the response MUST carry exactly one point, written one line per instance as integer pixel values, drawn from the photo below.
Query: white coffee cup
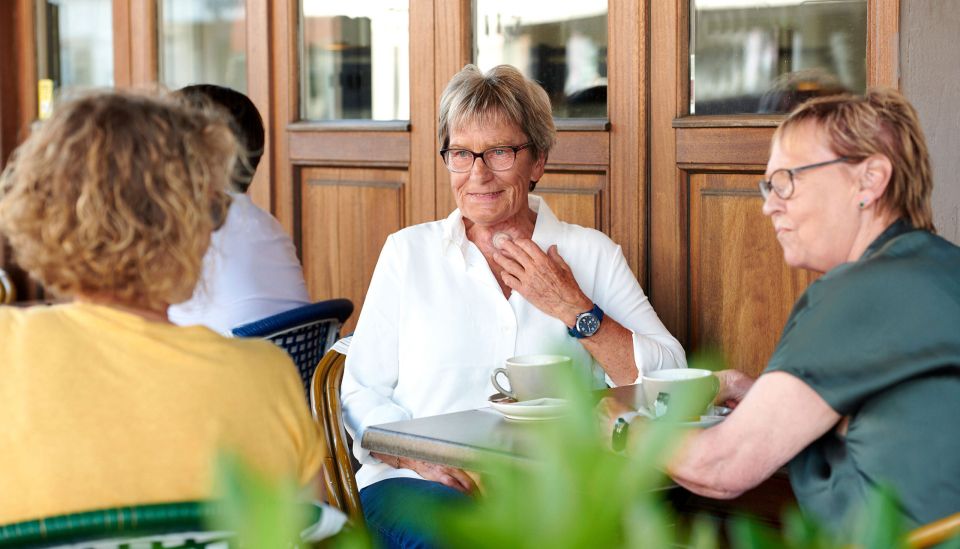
(696, 387)
(533, 376)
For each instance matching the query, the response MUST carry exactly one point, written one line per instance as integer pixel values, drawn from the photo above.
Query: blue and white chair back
(305, 333)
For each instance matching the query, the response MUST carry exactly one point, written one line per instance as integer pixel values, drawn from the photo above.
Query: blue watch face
(588, 324)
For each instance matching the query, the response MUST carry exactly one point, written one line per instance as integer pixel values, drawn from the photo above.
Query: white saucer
(714, 415)
(540, 409)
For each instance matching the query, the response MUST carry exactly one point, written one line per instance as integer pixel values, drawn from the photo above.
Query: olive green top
(879, 340)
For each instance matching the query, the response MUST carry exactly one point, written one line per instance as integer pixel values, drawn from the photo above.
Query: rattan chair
(180, 525)
(305, 333)
(169, 525)
(934, 533)
(8, 292)
(338, 467)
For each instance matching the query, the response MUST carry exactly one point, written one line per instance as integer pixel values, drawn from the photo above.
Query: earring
(863, 204)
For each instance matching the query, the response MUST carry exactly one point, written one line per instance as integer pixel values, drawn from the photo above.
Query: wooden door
(718, 279)
(342, 187)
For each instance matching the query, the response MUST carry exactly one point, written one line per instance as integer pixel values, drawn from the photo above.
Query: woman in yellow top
(105, 403)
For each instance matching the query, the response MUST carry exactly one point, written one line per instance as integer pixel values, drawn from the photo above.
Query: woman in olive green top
(864, 386)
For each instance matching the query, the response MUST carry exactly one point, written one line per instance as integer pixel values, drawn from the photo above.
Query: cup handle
(716, 387)
(493, 379)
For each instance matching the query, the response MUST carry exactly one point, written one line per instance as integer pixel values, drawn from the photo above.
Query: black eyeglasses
(497, 159)
(781, 181)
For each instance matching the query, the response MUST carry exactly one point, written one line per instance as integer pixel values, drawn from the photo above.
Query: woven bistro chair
(179, 525)
(935, 532)
(8, 292)
(338, 466)
(305, 333)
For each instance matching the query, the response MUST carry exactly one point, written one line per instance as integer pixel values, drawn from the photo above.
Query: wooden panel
(576, 197)
(580, 148)
(9, 104)
(347, 215)
(285, 89)
(627, 109)
(143, 44)
(883, 43)
(350, 147)
(258, 39)
(134, 43)
(667, 286)
(422, 203)
(18, 105)
(453, 49)
(741, 291)
(748, 146)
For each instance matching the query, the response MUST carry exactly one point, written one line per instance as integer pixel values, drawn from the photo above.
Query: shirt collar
(897, 228)
(546, 230)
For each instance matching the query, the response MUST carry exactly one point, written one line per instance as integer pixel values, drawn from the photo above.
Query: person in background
(863, 388)
(501, 276)
(251, 270)
(105, 402)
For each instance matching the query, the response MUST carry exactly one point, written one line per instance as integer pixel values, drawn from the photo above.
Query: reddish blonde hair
(116, 196)
(880, 122)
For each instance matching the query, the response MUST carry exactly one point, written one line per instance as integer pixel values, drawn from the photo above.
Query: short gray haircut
(502, 95)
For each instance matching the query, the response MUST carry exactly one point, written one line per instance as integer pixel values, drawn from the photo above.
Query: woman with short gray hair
(453, 299)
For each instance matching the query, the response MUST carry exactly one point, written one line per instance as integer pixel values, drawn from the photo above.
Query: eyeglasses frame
(515, 148)
(766, 185)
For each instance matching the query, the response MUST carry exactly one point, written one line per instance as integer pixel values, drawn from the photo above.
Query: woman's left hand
(543, 279)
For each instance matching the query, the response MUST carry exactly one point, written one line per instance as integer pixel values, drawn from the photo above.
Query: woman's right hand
(734, 385)
(452, 477)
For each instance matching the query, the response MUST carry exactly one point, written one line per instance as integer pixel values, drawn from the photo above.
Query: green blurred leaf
(262, 513)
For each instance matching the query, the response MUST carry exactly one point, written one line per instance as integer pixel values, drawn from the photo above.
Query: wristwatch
(587, 323)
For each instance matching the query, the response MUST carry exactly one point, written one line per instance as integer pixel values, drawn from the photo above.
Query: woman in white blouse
(449, 301)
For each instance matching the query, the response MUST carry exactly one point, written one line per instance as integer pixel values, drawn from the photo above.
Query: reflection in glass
(203, 42)
(562, 44)
(355, 60)
(75, 42)
(768, 56)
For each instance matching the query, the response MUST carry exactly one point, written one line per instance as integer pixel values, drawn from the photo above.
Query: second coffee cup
(533, 376)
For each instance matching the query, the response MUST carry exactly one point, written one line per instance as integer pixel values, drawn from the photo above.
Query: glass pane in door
(562, 44)
(203, 42)
(355, 60)
(768, 56)
(74, 46)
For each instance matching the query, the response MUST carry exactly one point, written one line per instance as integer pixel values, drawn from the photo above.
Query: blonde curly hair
(116, 196)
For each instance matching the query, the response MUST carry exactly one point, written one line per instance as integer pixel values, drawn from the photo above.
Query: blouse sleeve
(372, 367)
(621, 297)
(853, 336)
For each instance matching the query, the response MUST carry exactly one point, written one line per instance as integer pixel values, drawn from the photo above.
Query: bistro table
(465, 439)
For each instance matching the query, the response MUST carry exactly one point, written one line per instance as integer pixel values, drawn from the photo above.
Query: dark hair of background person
(245, 122)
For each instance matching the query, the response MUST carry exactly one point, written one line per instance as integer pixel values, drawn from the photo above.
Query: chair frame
(935, 532)
(339, 478)
(286, 326)
(8, 291)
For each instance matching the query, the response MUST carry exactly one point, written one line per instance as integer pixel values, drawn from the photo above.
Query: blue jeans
(394, 511)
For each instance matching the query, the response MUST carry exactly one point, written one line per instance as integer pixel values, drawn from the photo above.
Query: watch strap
(575, 331)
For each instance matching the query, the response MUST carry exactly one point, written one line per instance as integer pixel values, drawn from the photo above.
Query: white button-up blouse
(435, 324)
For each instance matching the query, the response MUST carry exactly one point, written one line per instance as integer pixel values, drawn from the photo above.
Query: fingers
(450, 482)
(554, 254)
(455, 478)
(508, 263)
(463, 479)
(611, 407)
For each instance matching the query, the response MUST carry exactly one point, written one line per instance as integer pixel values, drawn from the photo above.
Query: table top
(464, 439)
